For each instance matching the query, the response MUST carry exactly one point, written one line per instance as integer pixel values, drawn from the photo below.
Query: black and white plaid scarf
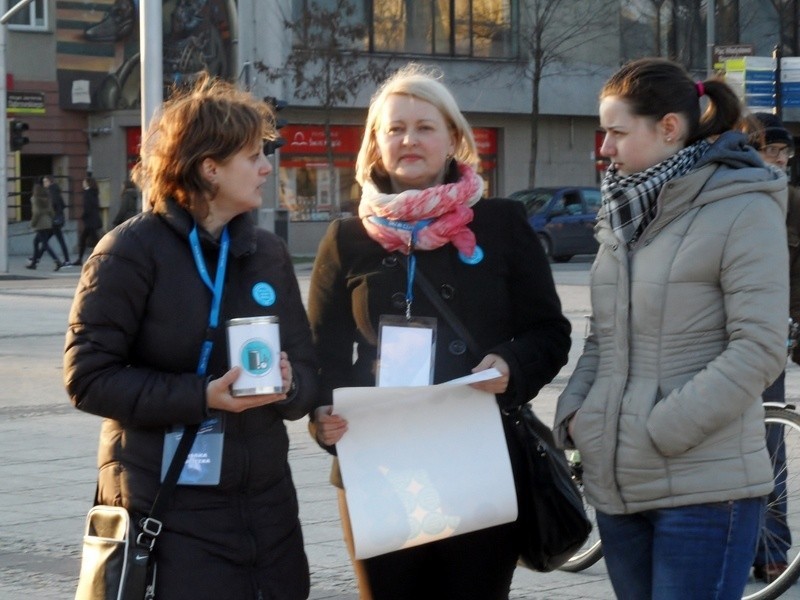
(629, 202)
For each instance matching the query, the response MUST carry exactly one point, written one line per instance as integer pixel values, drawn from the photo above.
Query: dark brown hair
(211, 119)
(654, 87)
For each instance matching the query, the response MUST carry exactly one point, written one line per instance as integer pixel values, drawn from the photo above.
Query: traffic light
(277, 105)
(17, 131)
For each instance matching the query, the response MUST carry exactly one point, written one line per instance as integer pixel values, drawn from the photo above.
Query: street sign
(24, 103)
(722, 53)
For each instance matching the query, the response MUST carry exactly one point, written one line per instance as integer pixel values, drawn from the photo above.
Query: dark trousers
(41, 245)
(88, 238)
(60, 238)
(471, 566)
(775, 515)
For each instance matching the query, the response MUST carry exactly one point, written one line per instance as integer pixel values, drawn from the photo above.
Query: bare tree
(552, 31)
(327, 62)
(788, 12)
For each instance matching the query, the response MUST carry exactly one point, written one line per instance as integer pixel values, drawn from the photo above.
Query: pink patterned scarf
(390, 218)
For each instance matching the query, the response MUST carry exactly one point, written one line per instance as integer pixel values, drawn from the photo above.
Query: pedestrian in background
(59, 216)
(767, 134)
(146, 349)
(689, 301)
(422, 206)
(42, 224)
(128, 203)
(91, 218)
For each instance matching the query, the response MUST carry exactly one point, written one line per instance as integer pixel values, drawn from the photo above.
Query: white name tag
(406, 351)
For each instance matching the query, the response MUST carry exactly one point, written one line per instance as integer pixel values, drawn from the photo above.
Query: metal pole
(151, 59)
(711, 34)
(151, 62)
(3, 153)
(777, 54)
(4, 133)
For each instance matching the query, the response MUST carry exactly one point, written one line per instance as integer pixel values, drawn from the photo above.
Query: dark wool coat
(507, 301)
(136, 326)
(91, 209)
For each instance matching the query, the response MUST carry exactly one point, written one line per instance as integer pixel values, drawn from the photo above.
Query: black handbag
(552, 520)
(115, 560)
(552, 523)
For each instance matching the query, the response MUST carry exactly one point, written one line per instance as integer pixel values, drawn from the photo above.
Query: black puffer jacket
(137, 322)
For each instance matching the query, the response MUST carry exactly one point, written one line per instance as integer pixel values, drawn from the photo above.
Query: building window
(476, 28)
(31, 18)
(466, 28)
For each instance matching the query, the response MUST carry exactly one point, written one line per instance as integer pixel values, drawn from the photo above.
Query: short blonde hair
(423, 83)
(210, 119)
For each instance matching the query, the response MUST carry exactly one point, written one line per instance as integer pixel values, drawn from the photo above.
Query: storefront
(310, 190)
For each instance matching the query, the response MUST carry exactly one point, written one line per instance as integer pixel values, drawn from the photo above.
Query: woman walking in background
(128, 203)
(59, 214)
(91, 218)
(42, 224)
(689, 297)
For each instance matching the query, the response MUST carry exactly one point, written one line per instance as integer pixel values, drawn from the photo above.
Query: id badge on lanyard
(204, 463)
(406, 350)
(406, 344)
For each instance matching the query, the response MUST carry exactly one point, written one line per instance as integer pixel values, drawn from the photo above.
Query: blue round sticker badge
(477, 256)
(264, 294)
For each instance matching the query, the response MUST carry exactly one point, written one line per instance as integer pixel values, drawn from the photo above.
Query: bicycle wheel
(591, 551)
(783, 506)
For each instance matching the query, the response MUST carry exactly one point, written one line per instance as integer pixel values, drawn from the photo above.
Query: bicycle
(776, 415)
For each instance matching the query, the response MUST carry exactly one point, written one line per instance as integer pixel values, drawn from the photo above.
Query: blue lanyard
(413, 228)
(412, 266)
(216, 288)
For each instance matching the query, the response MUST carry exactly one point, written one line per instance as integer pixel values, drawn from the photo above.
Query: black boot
(115, 26)
(31, 264)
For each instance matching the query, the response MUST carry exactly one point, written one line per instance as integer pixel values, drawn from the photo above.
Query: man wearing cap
(776, 146)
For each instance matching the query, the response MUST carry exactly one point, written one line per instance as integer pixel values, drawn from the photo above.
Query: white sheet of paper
(405, 357)
(484, 375)
(421, 464)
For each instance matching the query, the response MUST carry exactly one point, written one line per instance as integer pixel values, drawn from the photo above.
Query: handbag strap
(151, 524)
(444, 310)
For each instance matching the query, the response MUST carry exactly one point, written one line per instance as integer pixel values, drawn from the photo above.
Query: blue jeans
(696, 552)
(780, 538)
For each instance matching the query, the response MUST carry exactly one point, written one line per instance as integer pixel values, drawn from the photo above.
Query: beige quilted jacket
(688, 328)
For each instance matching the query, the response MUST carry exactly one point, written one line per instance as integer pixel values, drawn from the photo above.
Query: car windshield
(535, 200)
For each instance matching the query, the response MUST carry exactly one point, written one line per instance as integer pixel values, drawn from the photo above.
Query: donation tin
(254, 345)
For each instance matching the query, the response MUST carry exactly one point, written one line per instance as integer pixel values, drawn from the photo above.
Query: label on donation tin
(254, 345)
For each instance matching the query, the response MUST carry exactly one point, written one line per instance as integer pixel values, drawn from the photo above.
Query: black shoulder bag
(552, 523)
(115, 563)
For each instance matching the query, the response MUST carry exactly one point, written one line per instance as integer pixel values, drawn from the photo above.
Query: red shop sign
(310, 139)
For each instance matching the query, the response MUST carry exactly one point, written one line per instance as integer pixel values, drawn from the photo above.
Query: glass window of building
(470, 28)
(30, 18)
(314, 20)
(478, 28)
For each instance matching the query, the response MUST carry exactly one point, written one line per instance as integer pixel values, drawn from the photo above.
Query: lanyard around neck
(216, 288)
(412, 265)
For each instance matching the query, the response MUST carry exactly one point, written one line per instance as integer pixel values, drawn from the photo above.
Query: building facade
(83, 58)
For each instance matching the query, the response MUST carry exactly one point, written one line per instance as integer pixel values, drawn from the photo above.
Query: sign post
(4, 133)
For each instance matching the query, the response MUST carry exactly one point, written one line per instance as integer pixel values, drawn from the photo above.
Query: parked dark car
(563, 218)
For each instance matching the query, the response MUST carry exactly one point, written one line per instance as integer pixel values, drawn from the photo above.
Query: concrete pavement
(47, 473)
